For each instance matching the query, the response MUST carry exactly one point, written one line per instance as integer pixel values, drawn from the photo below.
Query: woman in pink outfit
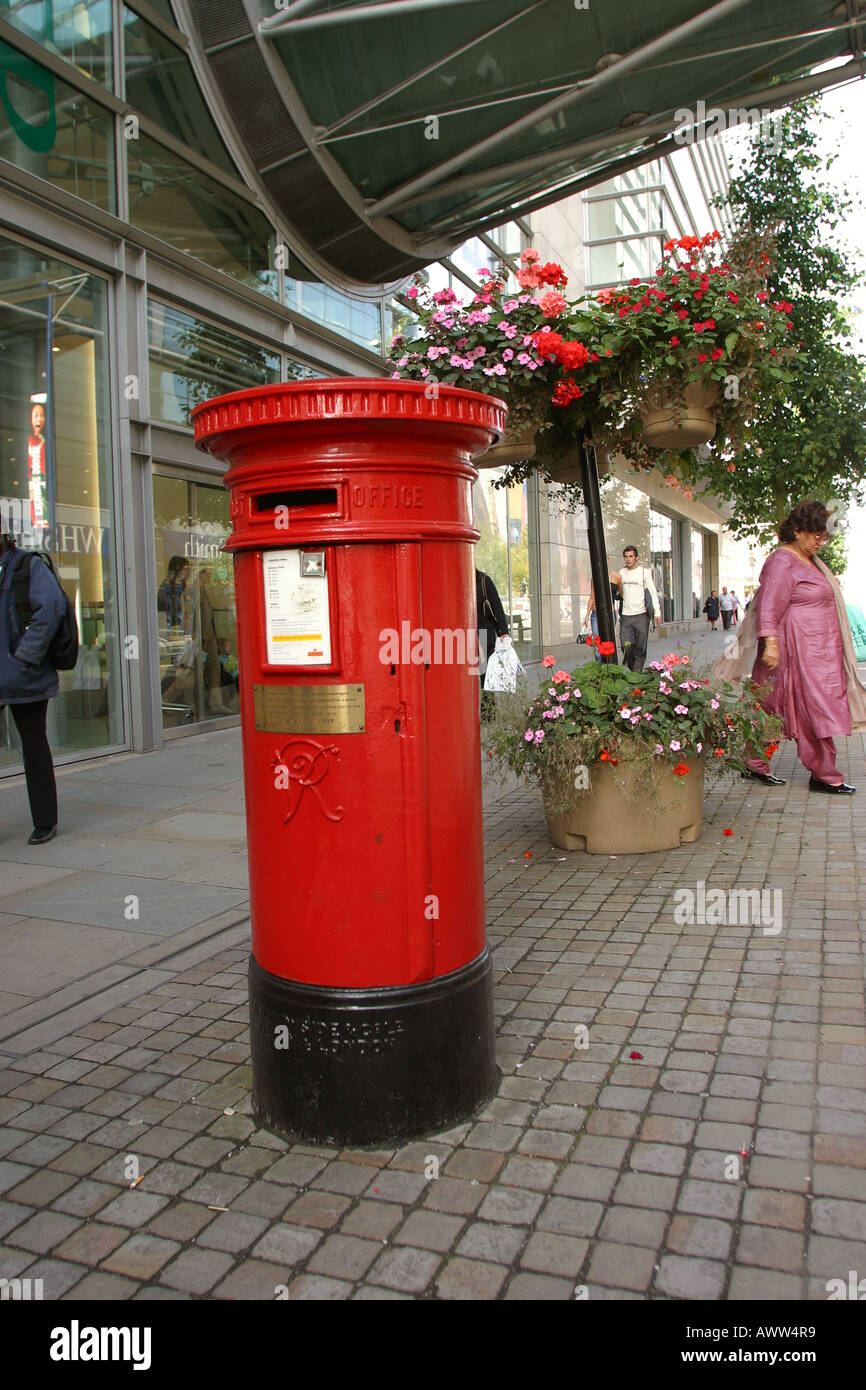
(802, 652)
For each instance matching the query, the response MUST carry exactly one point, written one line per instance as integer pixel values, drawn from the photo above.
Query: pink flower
(675, 745)
(510, 305)
(529, 735)
(444, 297)
(681, 709)
(575, 693)
(529, 256)
(658, 749)
(508, 354)
(685, 660)
(714, 704)
(503, 325)
(560, 676)
(523, 358)
(548, 661)
(499, 370)
(552, 303)
(539, 736)
(412, 292)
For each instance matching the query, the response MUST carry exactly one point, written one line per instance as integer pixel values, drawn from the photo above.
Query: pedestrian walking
(711, 608)
(640, 604)
(492, 623)
(805, 654)
(28, 679)
(735, 611)
(726, 604)
(591, 615)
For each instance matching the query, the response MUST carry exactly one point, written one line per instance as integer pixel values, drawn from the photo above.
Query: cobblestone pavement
(681, 1113)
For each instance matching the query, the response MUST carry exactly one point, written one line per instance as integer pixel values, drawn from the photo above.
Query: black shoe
(767, 777)
(42, 834)
(843, 788)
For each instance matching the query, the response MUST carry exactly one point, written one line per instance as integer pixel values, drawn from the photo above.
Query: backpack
(63, 647)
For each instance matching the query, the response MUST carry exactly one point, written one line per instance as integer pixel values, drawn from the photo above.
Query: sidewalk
(709, 1142)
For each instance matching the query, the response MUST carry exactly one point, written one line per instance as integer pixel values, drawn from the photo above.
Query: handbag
(486, 609)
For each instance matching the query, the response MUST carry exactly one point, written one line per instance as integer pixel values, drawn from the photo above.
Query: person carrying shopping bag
(28, 676)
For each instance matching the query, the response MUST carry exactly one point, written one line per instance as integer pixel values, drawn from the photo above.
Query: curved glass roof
(391, 130)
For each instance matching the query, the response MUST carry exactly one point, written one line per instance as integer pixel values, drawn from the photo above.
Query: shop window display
(56, 492)
(198, 662)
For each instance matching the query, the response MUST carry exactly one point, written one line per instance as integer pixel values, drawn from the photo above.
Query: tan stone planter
(682, 422)
(630, 809)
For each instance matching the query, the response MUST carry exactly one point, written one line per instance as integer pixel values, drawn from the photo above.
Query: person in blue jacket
(28, 680)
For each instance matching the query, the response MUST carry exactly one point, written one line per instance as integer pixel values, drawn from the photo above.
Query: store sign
(66, 537)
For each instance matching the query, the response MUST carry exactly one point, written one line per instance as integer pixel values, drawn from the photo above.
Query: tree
(812, 441)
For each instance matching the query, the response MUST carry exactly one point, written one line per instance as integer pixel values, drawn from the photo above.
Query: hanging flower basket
(513, 449)
(681, 419)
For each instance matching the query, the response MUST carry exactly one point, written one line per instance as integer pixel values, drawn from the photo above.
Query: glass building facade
(142, 270)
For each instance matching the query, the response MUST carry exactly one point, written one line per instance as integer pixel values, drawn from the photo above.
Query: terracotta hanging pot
(679, 421)
(513, 449)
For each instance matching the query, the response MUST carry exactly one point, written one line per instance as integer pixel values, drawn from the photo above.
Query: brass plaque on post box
(309, 709)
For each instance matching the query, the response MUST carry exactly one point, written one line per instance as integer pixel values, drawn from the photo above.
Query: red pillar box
(370, 980)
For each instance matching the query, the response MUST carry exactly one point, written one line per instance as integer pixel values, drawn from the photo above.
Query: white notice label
(297, 616)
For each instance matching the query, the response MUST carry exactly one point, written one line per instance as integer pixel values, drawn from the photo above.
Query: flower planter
(632, 808)
(568, 470)
(513, 449)
(679, 422)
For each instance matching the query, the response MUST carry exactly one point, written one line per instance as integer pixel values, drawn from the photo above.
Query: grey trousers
(633, 633)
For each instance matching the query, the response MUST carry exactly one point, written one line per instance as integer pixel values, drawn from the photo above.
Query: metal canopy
(388, 131)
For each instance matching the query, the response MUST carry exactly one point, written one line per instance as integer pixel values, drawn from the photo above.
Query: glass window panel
(77, 30)
(505, 517)
(56, 489)
(192, 360)
(358, 319)
(161, 85)
(662, 547)
(53, 131)
(182, 206)
(198, 653)
(697, 572)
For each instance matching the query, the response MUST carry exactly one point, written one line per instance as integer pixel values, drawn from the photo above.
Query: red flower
(682, 314)
(572, 354)
(735, 298)
(726, 831)
(528, 854)
(770, 749)
(546, 344)
(702, 356)
(717, 353)
(719, 753)
(681, 769)
(636, 1056)
(606, 648)
(675, 342)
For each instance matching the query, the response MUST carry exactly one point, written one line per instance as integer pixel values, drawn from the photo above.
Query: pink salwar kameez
(808, 689)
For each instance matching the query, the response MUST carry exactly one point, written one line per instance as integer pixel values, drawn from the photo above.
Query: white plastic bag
(503, 667)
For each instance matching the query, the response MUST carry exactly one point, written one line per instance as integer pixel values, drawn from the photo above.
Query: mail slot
(370, 985)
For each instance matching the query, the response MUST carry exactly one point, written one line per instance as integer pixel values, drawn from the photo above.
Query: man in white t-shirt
(633, 581)
(726, 603)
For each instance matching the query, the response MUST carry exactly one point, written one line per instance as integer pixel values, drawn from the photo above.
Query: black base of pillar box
(371, 1066)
